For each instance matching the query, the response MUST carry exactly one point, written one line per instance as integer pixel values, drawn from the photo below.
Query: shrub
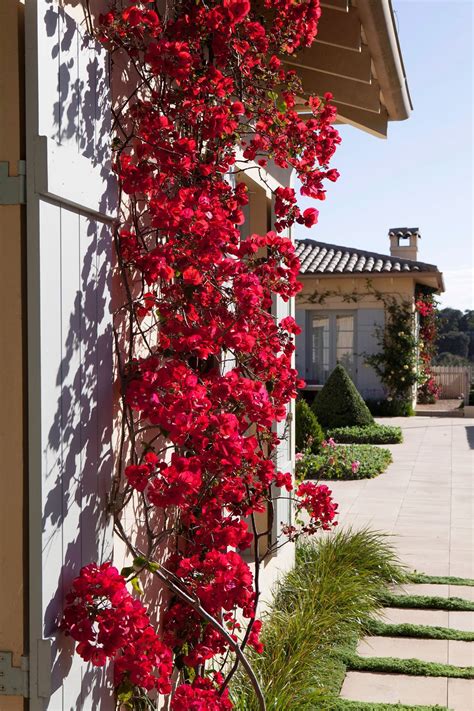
(309, 434)
(339, 403)
(338, 462)
(327, 599)
(390, 408)
(371, 434)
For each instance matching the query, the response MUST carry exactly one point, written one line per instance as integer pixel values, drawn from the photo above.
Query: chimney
(404, 242)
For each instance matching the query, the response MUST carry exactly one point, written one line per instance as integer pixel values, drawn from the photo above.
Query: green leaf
(127, 571)
(140, 562)
(136, 585)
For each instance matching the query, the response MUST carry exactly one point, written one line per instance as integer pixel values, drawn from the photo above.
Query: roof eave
(382, 38)
(371, 275)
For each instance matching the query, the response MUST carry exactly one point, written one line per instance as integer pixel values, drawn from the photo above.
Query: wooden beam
(336, 61)
(345, 91)
(336, 4)
(342, 29)
(369, 121)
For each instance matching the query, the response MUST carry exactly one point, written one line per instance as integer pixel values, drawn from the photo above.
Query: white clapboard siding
(70, 199)
(285, 429)
(366, 322)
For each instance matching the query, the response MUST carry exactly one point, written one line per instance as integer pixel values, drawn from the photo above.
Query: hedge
(309, 433)
(371, 434)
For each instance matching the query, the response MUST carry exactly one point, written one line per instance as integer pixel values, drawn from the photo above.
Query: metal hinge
(12, 187)
(13, 680)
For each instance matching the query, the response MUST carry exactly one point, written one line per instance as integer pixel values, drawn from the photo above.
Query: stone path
(425, 502)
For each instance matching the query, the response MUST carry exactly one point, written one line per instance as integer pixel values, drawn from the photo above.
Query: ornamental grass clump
(339, 404)
(320, 605)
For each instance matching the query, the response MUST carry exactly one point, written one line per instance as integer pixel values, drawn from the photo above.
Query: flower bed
(372, 434)
(356, 461)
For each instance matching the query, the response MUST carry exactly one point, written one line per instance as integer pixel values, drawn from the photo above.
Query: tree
(449, 320)
(455, 342)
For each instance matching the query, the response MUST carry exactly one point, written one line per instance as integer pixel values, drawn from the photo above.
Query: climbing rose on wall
(205, 368)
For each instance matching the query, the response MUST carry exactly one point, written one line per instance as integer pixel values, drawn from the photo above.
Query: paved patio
(425, 502)
(425, 499)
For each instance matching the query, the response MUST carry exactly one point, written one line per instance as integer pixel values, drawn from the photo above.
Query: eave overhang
(434, 280)
(357, 57)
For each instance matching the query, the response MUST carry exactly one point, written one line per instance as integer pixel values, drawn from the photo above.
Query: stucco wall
(354, 295)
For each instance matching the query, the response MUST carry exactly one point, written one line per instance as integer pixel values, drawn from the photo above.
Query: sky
(422, 174)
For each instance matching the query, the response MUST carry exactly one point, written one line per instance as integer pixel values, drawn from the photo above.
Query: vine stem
(165, 577)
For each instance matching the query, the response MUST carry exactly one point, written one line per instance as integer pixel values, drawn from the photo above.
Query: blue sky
(422, 175)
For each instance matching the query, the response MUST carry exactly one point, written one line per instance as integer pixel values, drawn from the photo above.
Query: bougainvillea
(205, 367)
(426, 306)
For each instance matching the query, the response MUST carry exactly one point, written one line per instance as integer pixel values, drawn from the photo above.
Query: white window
(330, 341)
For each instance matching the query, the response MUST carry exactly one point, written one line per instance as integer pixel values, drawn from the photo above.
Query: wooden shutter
(71, 198)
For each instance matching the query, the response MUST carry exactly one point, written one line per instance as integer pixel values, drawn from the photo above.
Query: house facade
(57, 206)
(341, 308)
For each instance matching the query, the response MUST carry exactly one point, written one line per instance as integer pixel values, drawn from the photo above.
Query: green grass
(370, 434)
(382, 629)
(373, 461)
(347, 705)
(426, 602)
(319, 608)
(411, 667)
(416, 577)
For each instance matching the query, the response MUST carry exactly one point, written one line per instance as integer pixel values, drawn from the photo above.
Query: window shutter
(70, 200)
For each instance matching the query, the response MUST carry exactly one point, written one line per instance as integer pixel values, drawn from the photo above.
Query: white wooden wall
(283, 510)
(367, 320)
(70, 200)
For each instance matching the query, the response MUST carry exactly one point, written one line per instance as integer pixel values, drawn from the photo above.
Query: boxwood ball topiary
(339, 404)
(307, 428)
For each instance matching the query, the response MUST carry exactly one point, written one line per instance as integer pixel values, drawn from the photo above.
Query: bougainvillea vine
(426, 307)
(205, 367)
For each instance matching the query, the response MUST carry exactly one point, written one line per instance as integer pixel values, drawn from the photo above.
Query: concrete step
(442, 651)
(456, 694)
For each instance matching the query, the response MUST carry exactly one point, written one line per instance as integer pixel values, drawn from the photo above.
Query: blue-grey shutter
(71, 199)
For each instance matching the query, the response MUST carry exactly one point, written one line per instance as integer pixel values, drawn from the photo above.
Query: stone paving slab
(396, 688)
(461, 654)
(461, 694)
(425, 500)
(466, 592)
(397, 616)
(462, 621)
(428, 650)
(423, 589)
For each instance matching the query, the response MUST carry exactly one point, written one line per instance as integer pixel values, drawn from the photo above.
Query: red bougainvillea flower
(205, 367)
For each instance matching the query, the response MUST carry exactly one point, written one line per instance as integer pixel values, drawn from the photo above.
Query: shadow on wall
(470, 436)
(77, 429)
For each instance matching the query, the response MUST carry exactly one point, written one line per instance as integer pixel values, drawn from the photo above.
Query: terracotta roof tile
(323, 258)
